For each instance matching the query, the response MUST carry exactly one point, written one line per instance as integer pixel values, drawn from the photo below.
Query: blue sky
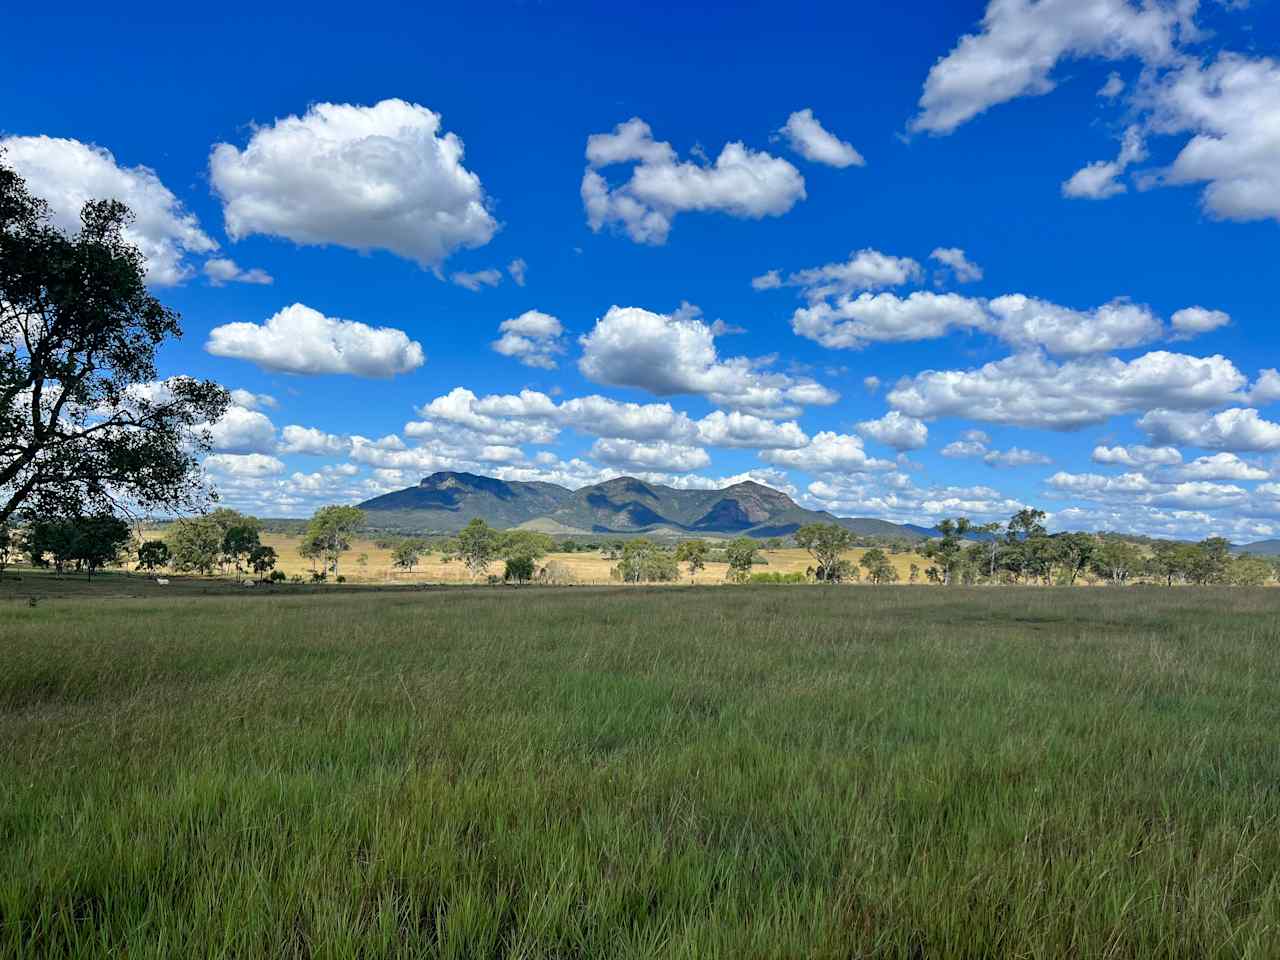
(1094, 340)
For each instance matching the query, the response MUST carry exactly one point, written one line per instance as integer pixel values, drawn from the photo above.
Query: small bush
(278, 576)
(319, 576)
(518, 570)
(341, 578)
(778, 578)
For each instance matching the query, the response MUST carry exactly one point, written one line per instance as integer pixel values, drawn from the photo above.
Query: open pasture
(582, 567)
(744, 772)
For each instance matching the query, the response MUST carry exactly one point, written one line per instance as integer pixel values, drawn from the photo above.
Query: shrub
(519, 569)
(278, 576)
(779, 578)
(341, 578)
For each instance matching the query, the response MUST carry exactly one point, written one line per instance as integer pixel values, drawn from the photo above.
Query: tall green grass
(729, 772)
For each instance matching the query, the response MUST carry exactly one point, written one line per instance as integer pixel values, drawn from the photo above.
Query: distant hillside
(445, 502)
(1266, 548)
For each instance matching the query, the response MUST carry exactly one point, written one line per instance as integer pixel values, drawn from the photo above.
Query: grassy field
(742, 772)
(584, 568)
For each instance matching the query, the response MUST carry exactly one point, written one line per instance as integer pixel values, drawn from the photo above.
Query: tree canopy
(826, 542)
(85, 428)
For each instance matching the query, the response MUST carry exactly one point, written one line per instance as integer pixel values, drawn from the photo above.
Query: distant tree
(992, 531)
(153, 555)
(478, 545)
(331, 531)
(915, 574)
(774, 543)
(1075, 552)
(525, 544)
(85, 429)
(99, 540)
(826, 542)
(692, 553)
(740, 554)
(262, 560)
(1116, 560)
(195, 545)
(1248, 571)
(945, 551)
(238, 543)
(519, 569)
(406, 554)
(1172, 561)
(51, 543)
(643, 561)
(1207, 563)
(878, 566)
(8, 546)
(1024, 535)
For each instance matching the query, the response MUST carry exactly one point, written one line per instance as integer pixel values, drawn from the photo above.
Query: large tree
(740, 555)
(826, 542)
(478, 544)
(84, 426)
(331, 531)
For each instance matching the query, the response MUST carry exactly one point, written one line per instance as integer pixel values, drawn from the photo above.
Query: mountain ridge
(446, 501)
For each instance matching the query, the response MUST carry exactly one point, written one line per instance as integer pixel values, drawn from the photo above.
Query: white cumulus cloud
(381, 177)
(223, 270)
(896, 430)
(741, 182)
(67, 174)
(962, 268)
(1239, 429)
(669, 354)
(299, 339)
(1031, 391)
(534, 338)
(807, 137)
(1020, 42)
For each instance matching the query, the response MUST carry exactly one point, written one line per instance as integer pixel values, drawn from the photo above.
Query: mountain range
(445, 502)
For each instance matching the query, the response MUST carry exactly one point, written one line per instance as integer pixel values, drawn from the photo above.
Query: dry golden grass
(368, 563)
(587, 568)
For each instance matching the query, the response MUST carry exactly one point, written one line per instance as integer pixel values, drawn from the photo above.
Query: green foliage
(1248, 571)
(50, 543)
(1116, 560)
(8, 546)
(740, 554)
(878, 566)
(330, 532)
(525, 545)
(779, 578)
(89, 542)
(278, 576)
(263, 559)
(407, 553)
(83, 424)
(693, 553)
(478, 545)
(153, 555)
(195, 545)
(519, 569)
(643, 561)
(825, 543)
